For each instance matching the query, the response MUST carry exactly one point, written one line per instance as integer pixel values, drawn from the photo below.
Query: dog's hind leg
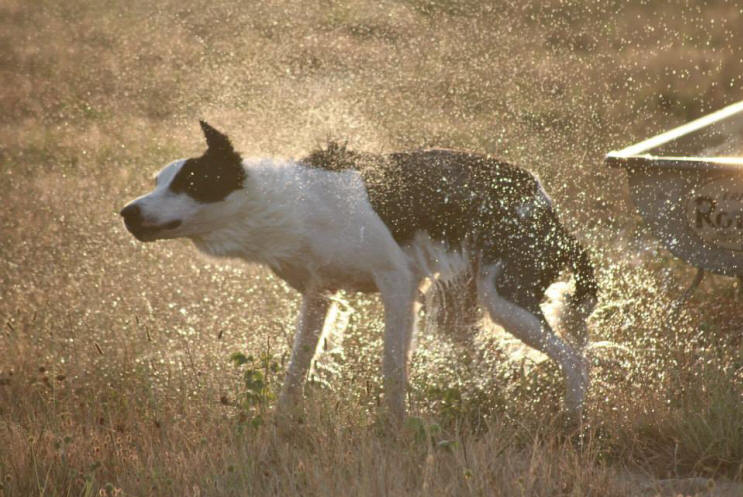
(534, 330)
(309, 328)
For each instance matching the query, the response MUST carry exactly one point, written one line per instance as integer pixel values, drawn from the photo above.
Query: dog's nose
(131, 214)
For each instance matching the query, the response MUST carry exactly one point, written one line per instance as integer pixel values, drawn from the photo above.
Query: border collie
(339, 219)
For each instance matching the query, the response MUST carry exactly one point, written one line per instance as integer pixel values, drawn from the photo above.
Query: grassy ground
(116, 375)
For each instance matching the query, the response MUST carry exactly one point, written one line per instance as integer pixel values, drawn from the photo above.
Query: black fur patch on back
(466, 199)
(214, 175)
(453, 196)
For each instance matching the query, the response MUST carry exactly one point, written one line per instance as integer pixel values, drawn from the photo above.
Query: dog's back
(469, 201)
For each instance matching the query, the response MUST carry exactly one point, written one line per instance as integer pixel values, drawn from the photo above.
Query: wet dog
(343, 220)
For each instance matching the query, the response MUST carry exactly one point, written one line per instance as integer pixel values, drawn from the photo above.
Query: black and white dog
(378, 223)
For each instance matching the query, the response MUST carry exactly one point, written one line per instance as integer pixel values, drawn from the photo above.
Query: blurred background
(112, 351)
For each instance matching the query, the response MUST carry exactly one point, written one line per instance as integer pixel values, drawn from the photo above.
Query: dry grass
(115, 371)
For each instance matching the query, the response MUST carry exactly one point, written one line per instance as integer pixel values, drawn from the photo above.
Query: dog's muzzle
(142, 231)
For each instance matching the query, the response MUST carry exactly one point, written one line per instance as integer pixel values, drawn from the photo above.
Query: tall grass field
(148, 370)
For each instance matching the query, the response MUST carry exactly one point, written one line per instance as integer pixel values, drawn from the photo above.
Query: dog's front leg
(309, 328)
(398, 292)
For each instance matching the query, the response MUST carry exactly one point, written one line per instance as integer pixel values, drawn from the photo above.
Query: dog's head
(190, 194)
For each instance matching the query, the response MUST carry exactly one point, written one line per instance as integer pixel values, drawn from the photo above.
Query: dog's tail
(580, 304)
(573, 309)
(586, 287)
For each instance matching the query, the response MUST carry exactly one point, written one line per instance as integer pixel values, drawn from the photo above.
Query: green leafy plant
(256, 393)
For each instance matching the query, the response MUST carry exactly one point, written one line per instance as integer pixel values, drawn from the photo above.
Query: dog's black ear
(215, 140)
